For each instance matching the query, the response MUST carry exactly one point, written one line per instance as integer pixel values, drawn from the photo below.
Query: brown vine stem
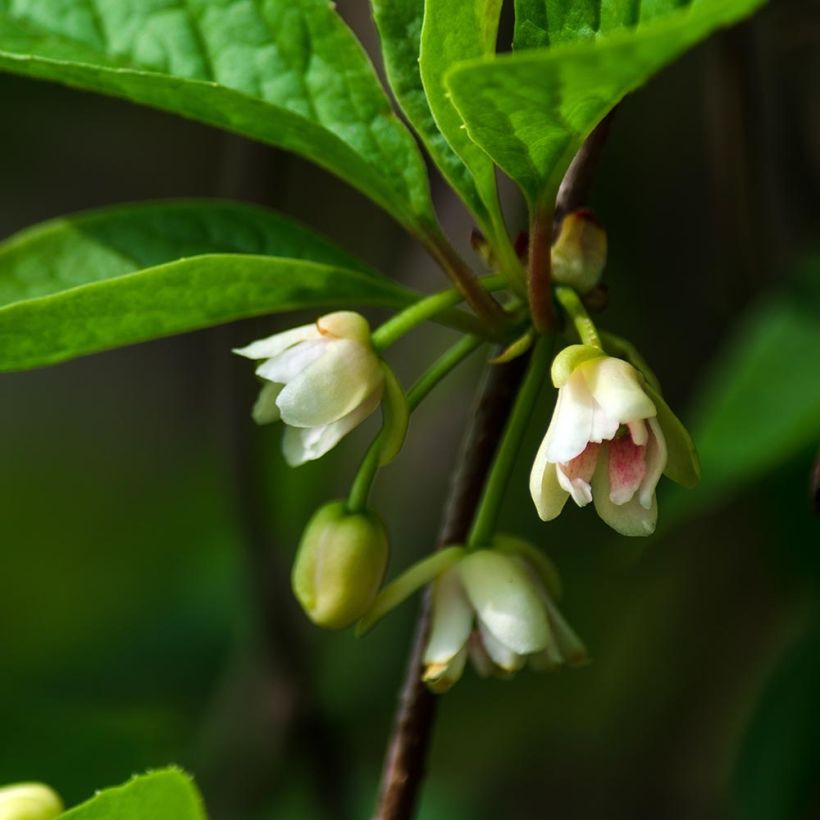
(405, 761)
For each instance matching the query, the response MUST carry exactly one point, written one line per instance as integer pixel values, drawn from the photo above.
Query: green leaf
(761, 405)
(550, 22)
(530, 111)
(167, 794)
(452, 31)
(400, 25)
(174, 298)
(286, 72)
(110, 242)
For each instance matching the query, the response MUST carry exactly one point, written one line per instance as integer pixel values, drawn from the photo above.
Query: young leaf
(400, 24)
(287, 73)
(452, 31)
(530, 111)
(174, 298)
(168, 794)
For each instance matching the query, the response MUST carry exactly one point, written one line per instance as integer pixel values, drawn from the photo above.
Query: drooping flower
(322, 380)
(493, 607)
(610, 439)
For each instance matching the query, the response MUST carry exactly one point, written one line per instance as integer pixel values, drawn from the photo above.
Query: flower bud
(339, 565)
(29, 801)
(579, 253)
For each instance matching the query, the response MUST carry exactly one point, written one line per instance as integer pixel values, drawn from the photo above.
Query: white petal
(332, 386)
(452, 621)
(505, 600)
(627, 519)
(301, 444)
(501, 655)
(604, 427)
(274, 345)
(345, 324)
(639, 432)
(547, 495)
(482, 662)
(439, 678)
(291, 363)
(616, 386)
(571, 424)
(656, 457)
(265, 410)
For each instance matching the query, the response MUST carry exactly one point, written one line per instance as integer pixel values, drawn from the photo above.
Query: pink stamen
(627, 468)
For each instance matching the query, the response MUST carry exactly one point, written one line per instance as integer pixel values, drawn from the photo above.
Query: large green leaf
(110, 242)
(168, 794)
(174, 298)
(287, 72)
(550, 22)
(400, 25)
(531, 110)
(452, 31)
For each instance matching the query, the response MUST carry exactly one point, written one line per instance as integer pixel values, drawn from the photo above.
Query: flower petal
(452, 621)
(500, 654)
(276, 344)
(627, 468)
(547, 494)
(628, 519)
(617, 388)
(301, 444)
(683, 465)
(265, 409)
(291, 363)
(331, 386)
(441, 678)
(345, 324)
(506, 601)
(571, 424)
(655, 463)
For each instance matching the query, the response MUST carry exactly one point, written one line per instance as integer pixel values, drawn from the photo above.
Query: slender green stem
(423, 310)
(362, 483)
(485, 520)
(576, 311)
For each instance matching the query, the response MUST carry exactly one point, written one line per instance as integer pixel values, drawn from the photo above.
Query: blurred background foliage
(149, 529)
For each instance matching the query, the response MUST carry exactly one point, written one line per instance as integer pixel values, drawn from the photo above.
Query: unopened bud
(579, 253)
(29, 801)
(339, 565)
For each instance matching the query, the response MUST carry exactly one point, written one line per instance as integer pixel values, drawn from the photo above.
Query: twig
(407, 752)
(406, 757)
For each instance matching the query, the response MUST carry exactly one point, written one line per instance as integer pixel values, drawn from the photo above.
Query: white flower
(323, 380)
(605, 444)
(493, 607)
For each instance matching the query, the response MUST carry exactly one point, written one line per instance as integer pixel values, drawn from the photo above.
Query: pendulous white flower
(322, 380)
(608, 443)
(493, 607)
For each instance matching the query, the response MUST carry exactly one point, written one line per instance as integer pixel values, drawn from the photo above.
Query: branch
(404, 766)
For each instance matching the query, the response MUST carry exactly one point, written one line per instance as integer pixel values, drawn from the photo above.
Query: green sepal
(513, 545)
(515, 349)
(683, 464)
(570, 358)
(412, 579)
(396, 417)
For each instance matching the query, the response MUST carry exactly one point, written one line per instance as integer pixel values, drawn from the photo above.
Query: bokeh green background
(148, 529)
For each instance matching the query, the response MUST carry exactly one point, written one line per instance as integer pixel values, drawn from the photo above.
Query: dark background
(148, 528)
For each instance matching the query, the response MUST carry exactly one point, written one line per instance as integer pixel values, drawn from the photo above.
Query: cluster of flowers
(610, 440)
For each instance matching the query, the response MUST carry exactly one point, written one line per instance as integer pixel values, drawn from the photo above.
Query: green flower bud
(29, 801)
(339, 565)
(579, 253)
